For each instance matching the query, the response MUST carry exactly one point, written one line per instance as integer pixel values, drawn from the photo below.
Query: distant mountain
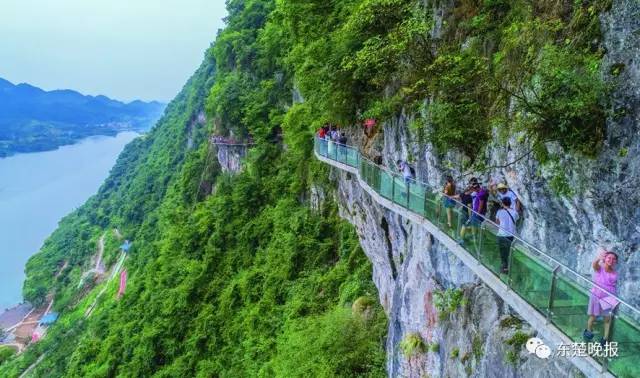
(32, 119)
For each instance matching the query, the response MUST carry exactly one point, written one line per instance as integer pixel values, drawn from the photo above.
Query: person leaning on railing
(406, 171)
(602, 303)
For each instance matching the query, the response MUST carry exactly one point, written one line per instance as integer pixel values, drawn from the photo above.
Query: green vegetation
(455, 352)
(447, 301)
(249, 281)
(6, 353)
(518, 339)
(477, 347)
(363, 306)
(412, 344)
(516, 342)
(511, 321)
(531, 70)
(330, 345)
(512, 357)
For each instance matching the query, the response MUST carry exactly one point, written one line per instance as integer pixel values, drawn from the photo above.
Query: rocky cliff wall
(409, 266)
(230, 157)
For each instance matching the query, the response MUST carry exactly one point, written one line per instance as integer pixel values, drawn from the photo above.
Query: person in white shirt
(506, 219)
(505, 192)
(405, 169)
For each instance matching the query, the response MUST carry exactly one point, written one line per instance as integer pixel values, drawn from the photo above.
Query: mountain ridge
(33, 119)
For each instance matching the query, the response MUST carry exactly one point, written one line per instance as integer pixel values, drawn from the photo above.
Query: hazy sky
(124, 49)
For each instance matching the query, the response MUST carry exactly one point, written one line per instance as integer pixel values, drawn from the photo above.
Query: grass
(412, 344)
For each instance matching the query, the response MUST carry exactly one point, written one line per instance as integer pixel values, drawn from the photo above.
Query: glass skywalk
(553, 289)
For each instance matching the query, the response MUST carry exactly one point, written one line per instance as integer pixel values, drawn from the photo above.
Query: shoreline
(13, 302)
(11, 316)
(70, 142)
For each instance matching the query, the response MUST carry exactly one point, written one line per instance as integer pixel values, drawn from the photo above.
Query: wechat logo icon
(536, 346)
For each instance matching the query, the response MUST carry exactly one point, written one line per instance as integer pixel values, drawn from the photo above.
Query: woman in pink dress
(601, 302)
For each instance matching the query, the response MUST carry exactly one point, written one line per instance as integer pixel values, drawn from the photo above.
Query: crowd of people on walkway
(496, 202)
(502, 205)
(336, 140)
(331, 132)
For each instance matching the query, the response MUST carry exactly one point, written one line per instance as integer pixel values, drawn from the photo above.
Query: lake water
(37, 190)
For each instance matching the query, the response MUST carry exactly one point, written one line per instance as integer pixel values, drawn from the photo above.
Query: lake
(37, 190)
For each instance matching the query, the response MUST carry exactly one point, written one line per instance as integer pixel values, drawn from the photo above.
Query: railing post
(408, 192)
(393, 188)
(509, 264)
(605, 360)
(479, 231)
(425, 204)
(552, 293)
(459, 227)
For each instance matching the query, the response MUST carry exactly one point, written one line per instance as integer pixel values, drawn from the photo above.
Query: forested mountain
(234, 283)
(32, 119)
(256, 272)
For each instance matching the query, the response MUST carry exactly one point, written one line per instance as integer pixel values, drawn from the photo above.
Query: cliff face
(230, 157)
(602, 210)
(409, 267)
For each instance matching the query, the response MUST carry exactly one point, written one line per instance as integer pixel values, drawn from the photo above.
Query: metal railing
(555, 290)
(223, 141)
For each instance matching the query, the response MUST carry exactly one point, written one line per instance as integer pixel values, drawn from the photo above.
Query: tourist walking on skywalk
(332, 136)
(467, 202)
(449, 191)
(342, 149)
(601, 302)
(506, 219)
(479, 197)
(501, 191)
(406, 170)
(322, 135)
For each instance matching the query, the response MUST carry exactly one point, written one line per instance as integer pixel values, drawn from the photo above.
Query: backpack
(413, 171)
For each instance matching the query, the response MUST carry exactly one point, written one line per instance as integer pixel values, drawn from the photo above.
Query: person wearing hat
(504, 191)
